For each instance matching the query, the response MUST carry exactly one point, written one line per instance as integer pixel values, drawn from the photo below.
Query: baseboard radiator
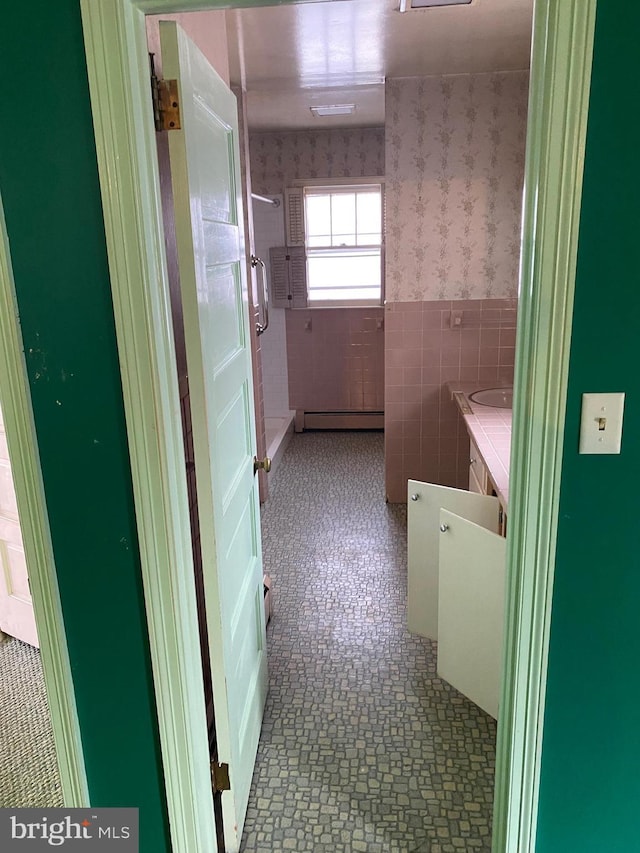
(339, 420)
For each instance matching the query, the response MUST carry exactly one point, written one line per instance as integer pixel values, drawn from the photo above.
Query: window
(343, 242)
(333, 254)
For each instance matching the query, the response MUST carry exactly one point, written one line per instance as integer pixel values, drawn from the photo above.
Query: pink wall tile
(412, 319)
(430, 431)
(469, 373)
(431, 318)
(508, 337)
(424, 434)
(469, 338)
(507, 356)
(393, 412)
(412, 376)
(449, 372)
(489, 338)
(412, 394)
(489, 355)
(395, 394)
(411, 411)
(336, 359)
(393, 320)
(470, 356)
(393, 376)
(412, 338)
(395, 357)
(450, 354)
(488, 374)
(431, 374)
(394, 338)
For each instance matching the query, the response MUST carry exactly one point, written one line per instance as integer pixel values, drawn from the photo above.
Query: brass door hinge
(220, 777)
(166, 105)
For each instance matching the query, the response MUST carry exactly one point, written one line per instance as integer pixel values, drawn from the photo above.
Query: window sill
(338, 303)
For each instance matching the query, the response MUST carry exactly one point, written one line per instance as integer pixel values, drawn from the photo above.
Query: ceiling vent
(334, 110)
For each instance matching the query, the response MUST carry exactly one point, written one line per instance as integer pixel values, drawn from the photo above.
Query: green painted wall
(590, 785)
(49, 186)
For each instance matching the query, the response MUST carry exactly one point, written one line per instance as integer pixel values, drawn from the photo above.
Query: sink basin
(499, 398)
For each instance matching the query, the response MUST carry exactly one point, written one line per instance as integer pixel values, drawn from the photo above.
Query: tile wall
(425, 438)
(268, 226)
(338, 363)
(336, 359)
(452, 154)
(454, 166)
(275, 374)
(254, 313)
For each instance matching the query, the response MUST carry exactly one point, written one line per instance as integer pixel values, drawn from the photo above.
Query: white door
(208, 212)
(16, 607)
(471, 609)
(425, 500)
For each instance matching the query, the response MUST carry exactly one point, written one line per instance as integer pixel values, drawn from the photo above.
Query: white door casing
(471, 609)
(118, 76)
(204, 156)
(16, 607)
(425, 500)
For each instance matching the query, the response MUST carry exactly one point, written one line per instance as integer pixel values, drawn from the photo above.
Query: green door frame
(118, 72)
(562, 49)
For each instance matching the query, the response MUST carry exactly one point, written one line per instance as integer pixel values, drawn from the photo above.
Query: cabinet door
(471, 609)
(423, 527)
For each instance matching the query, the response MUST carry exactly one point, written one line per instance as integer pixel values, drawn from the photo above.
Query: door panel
(423, 523)
(471, 609)
(206, 185)
(16, 607)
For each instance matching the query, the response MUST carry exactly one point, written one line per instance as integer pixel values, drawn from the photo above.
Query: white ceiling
(291, 57)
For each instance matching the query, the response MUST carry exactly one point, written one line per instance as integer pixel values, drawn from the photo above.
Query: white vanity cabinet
(480, 482)
(478, 477)
(456, 575)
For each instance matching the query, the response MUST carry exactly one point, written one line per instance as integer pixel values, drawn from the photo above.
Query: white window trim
(338, 182)
(329, 184)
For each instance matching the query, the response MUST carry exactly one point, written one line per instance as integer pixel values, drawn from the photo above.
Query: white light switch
(601, 423)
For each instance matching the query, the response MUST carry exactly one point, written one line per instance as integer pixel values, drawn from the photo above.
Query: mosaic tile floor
(363, 747)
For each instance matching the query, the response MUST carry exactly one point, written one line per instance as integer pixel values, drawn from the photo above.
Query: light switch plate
(601, 423)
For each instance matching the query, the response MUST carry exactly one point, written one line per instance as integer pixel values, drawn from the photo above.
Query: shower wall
(268, 226)
(335, 355)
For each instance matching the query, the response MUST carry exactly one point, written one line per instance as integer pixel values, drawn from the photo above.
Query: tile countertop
(490, 430)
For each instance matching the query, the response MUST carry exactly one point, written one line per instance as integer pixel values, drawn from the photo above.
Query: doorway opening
(488, 343)
(29, 775)
(546, 298)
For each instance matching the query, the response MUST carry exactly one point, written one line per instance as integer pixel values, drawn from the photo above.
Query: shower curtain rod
(274, 201)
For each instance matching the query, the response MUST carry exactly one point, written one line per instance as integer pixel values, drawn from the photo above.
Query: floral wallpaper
(454, 175)
(277, 158)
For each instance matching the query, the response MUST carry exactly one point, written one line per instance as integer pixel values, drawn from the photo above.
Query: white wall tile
(268, 224)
